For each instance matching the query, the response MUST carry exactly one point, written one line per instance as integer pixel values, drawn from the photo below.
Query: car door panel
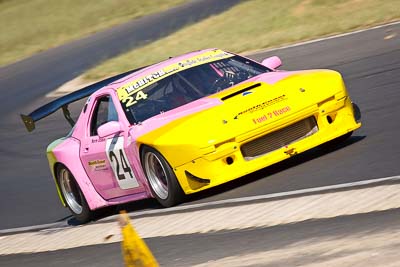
(105, 159)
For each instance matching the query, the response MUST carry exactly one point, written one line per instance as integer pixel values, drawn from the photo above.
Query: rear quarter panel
(66, 152)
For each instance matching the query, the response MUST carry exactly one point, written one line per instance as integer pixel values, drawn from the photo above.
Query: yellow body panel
(201, 143)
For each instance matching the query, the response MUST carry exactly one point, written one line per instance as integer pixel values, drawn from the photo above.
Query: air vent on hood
(240, 91)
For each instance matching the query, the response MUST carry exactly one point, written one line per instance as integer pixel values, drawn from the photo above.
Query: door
(105, 159)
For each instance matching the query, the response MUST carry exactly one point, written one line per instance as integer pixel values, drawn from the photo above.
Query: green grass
(27, 27)
(258, 24)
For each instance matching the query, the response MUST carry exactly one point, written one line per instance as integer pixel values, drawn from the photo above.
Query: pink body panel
(67, 152)
(273, 77)
(105, 182)
(272, 62)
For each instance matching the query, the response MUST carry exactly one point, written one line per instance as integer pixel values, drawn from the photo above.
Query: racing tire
(73, 195)
(161, 178)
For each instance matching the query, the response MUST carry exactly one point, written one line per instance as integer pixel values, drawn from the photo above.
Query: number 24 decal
(133, 99)
(122, 170)
(120, 162)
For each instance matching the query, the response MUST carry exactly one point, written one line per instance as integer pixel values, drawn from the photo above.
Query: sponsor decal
(148, 80)
(100, 139)
(246, 93)
(98, 164)
(281, 111)
(131, 93)
(261, 106)
(271, 115)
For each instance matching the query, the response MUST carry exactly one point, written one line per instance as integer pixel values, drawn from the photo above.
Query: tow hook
(291, 152)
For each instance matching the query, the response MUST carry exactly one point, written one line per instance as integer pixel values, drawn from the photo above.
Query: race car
(187, 124)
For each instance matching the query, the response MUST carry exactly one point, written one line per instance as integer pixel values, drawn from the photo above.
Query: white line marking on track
(215, 203)
(322, 39)
(250, 215)
(34, 227)
(269, 196)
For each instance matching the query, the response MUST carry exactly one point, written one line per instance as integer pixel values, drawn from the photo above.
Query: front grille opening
(280, 138)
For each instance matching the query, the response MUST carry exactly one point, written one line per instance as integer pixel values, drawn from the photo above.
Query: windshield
(188, 85)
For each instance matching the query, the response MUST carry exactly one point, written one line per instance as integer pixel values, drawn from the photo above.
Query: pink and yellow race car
(187, 124)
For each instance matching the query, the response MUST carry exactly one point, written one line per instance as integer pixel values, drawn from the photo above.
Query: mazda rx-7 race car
(187, 124)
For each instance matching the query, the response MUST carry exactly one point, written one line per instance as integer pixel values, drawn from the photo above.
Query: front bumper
(334, 119)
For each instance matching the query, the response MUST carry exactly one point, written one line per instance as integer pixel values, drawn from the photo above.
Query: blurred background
(29, 27)
(50, 48)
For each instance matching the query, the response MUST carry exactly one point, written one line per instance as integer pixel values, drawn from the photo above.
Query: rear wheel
(162, 180)
(73, 195)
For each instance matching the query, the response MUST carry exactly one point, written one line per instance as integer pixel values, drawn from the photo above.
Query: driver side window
(104, 112)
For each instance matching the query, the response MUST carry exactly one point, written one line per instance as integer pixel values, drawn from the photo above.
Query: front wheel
(73, 195)
(162, 180)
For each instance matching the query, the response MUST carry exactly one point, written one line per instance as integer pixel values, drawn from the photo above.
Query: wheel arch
(146, 181)
(55, 170)
(141, 147)
(67, 155)
(176, 195)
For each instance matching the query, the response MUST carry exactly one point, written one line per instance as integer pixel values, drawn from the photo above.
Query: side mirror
(109, 128)
(272, 62)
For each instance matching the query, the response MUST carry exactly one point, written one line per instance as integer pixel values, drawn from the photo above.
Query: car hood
(233, 113)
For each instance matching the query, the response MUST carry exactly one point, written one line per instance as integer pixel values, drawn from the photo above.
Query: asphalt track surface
(370, 64)
(189, 250)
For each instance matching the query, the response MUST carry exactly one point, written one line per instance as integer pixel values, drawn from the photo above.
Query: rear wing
(64, 101)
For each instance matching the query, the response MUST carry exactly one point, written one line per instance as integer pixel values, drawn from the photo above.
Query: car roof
(154, 67)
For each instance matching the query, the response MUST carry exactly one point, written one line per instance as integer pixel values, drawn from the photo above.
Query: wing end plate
(29, 122)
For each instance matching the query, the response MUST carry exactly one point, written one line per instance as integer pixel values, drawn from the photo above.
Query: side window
(104, 112)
